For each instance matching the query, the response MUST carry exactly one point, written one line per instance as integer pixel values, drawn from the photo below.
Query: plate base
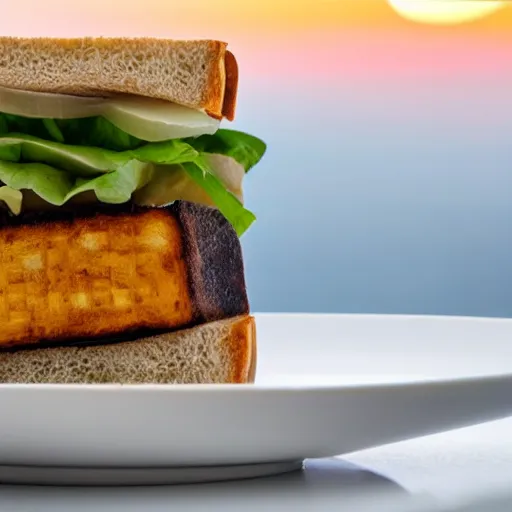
(75, 476)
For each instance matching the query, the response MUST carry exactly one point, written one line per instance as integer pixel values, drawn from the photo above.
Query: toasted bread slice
(222, 352)
(117, 273)
(200, 74)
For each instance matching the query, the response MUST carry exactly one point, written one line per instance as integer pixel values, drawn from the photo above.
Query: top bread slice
(200, 74)
(116, 272)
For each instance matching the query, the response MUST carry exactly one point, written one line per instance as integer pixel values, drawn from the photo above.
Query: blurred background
(387, 185)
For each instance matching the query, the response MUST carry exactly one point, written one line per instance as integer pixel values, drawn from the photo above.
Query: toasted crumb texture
(191, 73)
(214, 353)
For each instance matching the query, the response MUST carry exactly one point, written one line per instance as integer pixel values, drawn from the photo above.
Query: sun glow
(446, 12)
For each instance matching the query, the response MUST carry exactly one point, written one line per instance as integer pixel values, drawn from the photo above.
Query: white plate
(326, 385)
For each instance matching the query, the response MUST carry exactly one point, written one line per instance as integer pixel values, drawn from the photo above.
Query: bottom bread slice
(220, 352)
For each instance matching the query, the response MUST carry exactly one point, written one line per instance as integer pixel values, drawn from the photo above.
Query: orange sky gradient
(214, 18)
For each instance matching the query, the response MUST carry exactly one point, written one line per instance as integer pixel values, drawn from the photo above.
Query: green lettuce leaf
(59, 159)
(57, 172)
(88, 161)
(246, 149)
(53, 130)
(101, 133)
(118, 186)
(89, 131)
(98, 132)
(57, 187)
(238, 216)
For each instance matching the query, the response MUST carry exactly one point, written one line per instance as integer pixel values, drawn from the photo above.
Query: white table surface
(466, 470)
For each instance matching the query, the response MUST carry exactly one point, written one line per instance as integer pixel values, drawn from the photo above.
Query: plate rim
(287, 388)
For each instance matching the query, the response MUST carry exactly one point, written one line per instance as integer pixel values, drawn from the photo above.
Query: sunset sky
(214, 18)
(387, 182)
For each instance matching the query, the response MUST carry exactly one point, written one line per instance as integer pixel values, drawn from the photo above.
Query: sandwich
(122, 210)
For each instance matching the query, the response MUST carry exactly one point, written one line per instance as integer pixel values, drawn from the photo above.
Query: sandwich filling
(121, 216)
(57, 151)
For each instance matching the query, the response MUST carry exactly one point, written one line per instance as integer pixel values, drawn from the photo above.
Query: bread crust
(199, 74)
(196, 270)
(230, 94)
(242, 346)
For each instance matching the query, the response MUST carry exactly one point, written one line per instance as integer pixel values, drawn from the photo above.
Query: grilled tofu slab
(115, 272)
